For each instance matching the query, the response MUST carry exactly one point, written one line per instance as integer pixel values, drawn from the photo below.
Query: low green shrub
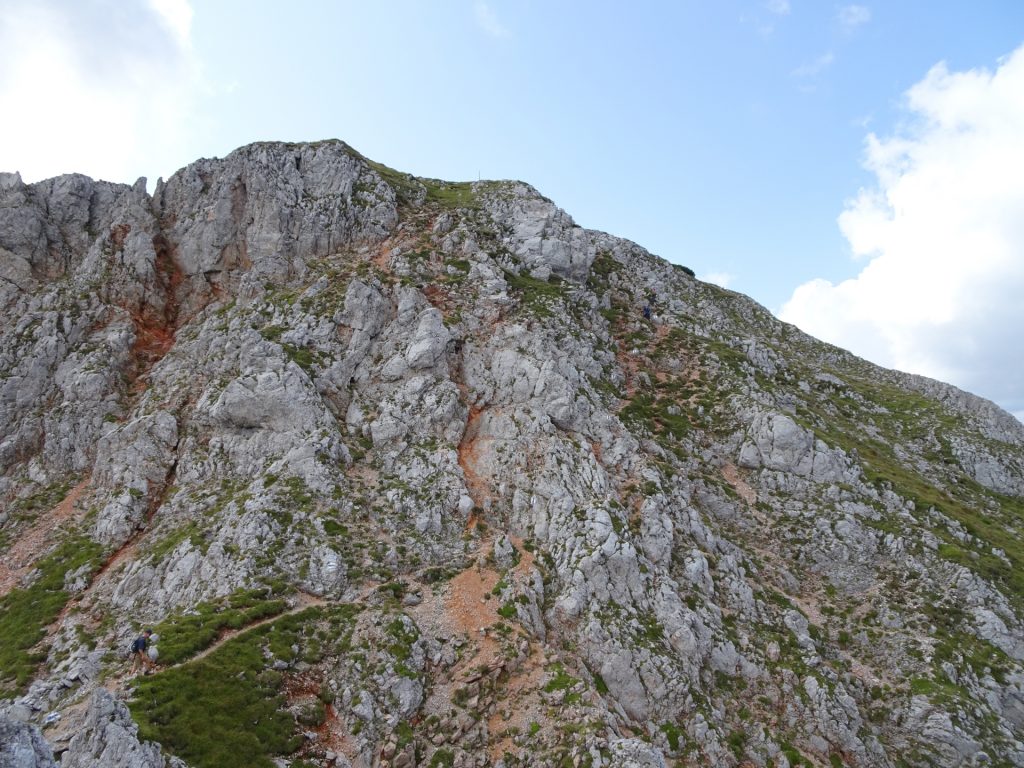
(226, 710)
(26, 613)
(184, 635)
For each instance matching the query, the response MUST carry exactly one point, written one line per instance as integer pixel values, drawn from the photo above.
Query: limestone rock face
(401, 469)
(543, 237)
(23, 746)
(109, 739)
(634, 753)
(265, 211)
(777, 442)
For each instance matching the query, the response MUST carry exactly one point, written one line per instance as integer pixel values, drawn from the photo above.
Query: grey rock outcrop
(634, 753)
(109, 739)
(775, 441)
(23, 746)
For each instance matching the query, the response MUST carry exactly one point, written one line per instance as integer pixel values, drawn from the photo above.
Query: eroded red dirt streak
(27, 548)
(469, 457)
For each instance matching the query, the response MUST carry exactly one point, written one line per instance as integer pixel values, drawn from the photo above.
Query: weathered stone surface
(633, 753)
(297, 372)
(109, 739)
(775, 441)
(23, 746)
(264, 211)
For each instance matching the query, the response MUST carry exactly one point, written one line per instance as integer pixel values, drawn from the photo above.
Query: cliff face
(403, 475)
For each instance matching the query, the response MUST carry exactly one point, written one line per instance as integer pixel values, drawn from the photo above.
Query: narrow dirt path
(116, 683)
(304, 601)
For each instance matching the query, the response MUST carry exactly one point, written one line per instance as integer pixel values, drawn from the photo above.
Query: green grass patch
(646, 412)
(957, 645)
(674, 734)
(407, 188)
(26, 613)
(301, 356)
(404, 733)
(451, 194)
(601, 270)
(562, 681)
(438, 573)
(298, 494)
(443, 758)
(737, 742)
(793, 755)
(313, 714)
(403, 637)
(460, 265)
(938, 691)
(272, 332)
(161, 548)
(652, 631)
(334, 528)
(184, 635)
(227, 709)
(395, 589)
(541, 297)
(908, 416)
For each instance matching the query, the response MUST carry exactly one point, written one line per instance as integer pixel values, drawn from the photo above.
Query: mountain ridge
(543, 526)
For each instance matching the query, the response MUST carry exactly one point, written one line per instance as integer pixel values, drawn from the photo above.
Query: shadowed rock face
(402, 473)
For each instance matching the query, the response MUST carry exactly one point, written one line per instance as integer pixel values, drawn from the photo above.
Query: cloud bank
(942, 292)
(96, 87)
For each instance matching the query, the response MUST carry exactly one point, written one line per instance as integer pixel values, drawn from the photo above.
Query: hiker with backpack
(140, 652)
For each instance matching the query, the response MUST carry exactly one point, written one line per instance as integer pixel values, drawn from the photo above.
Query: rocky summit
(404, 472)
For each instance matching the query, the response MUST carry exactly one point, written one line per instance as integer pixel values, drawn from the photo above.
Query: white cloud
(722, 279)
(177, 16)
(489, 22)
(853, 16)
(815, 67)
(93, 87)
(778, 7)
(943, 236)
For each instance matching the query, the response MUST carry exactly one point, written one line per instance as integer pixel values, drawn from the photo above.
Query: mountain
(402, 473)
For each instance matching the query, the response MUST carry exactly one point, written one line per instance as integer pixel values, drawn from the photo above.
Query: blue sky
(728, 136)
